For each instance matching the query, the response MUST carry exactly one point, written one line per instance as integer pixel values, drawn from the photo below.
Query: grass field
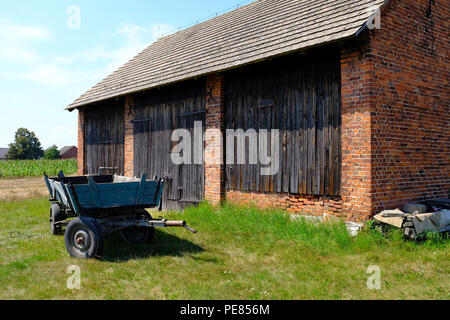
(239, 253)
(34, 168)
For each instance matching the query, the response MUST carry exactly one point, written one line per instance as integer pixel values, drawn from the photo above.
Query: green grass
(34, 168)
(239, 253)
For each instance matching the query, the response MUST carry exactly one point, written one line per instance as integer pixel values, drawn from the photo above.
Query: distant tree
(52, 153)
(26, 146)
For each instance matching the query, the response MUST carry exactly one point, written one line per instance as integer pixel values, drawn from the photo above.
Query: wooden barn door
(300, 97)
(189, 179)
(104, 132)
(157, 114)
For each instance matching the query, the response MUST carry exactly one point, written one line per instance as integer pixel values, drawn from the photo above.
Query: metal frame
(110, 225)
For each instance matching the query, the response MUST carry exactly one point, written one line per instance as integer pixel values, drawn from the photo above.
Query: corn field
(33, 168)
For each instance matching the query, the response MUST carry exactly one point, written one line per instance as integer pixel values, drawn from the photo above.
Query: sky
(53, 51)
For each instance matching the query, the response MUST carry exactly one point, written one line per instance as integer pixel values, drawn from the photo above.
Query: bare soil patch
(23, 188)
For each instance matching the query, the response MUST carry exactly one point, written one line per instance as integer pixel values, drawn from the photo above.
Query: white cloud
(16, 41)
(87, 66)
(60, 133)
(67, 76)
(17, 55)
(134, 39)
(49, 75)
(12, 32)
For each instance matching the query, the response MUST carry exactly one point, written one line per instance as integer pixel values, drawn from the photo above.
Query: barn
(68, 152)
(358, 91)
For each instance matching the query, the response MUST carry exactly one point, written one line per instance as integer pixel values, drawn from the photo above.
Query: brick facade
(129, 137)
(294, 204)
(80, 156)
(396, 111)
(411, 104)
(214, 126)
(356, 81)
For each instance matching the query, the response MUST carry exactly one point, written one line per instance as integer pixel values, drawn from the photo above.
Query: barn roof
(260, 30)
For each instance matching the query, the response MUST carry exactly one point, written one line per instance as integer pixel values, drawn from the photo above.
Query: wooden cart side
(117, 195)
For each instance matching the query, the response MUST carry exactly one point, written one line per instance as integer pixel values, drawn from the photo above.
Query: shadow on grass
(163, 244)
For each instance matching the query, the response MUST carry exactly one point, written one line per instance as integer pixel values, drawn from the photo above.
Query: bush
(52, 153)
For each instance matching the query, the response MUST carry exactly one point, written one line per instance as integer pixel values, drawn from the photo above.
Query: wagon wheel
(55, 216)
(139, 234)
(84, 238)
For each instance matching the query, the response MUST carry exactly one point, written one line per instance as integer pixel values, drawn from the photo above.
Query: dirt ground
(23, 188)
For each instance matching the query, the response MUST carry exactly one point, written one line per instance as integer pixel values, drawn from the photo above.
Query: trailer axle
(110, 226)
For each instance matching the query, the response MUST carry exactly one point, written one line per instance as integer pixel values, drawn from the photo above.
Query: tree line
(26, 146)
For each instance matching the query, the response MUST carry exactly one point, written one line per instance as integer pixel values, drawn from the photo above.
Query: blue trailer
(90, 207)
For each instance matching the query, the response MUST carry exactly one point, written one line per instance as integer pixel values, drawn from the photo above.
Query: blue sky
(49, 57)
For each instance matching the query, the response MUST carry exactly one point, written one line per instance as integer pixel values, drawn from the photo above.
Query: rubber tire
(145, 234)
(92, 228)
(55, 216)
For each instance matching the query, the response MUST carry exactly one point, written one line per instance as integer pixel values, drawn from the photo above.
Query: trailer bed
(103, 204)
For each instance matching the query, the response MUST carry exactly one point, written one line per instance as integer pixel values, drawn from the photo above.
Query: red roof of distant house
(68, 152)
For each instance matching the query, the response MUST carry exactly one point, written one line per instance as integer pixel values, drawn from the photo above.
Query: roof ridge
(207, 19)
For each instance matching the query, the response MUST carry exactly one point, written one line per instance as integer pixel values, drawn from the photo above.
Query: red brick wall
(411, 104)
(294, 204)
(215, 120)
(356, 182)
(129, 137)
(80, 157)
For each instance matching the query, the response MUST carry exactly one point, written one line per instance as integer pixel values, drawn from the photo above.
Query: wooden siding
(157, 114)
(104, 132)
(300, 96)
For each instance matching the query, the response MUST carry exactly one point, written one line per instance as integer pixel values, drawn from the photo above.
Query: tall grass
(251, 223)
(34, 168)
(238, 253)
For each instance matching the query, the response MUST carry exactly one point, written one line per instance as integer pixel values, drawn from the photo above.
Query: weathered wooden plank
(284, 146)
(104, 130)
(320, 168)
(338, 130)
(306, 109)
(153, 146)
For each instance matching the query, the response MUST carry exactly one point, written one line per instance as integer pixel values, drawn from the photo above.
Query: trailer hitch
(182, 224)
(112, 226)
